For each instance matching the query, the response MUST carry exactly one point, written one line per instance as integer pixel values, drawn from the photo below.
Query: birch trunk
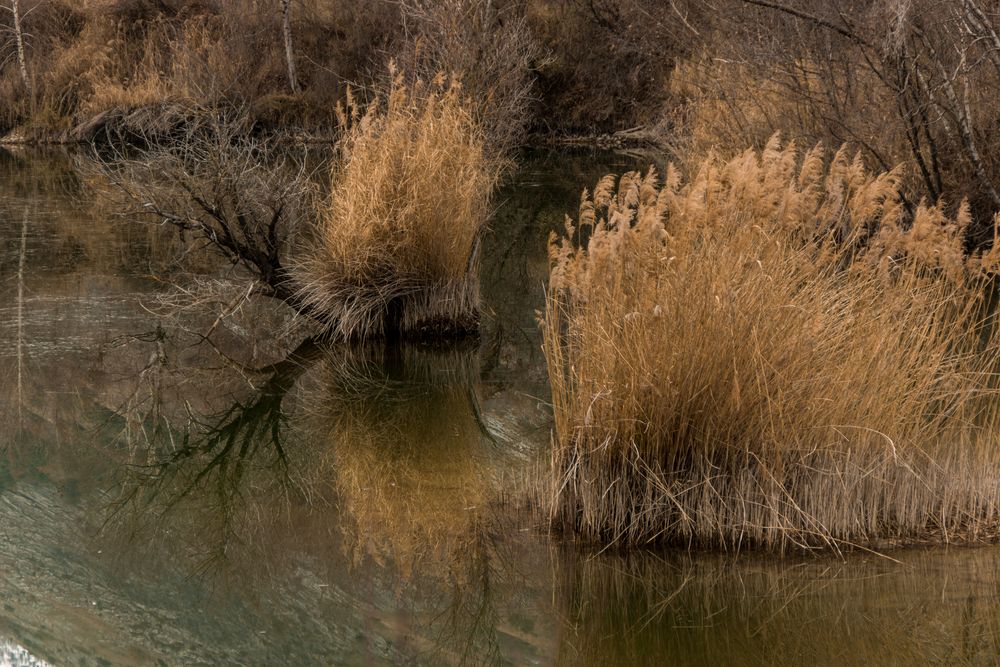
(15, 8)
(962, 113)
(286, 25)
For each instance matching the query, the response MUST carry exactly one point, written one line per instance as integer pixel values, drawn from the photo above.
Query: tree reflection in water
(372, 462)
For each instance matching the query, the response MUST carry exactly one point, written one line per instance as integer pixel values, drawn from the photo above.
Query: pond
(249, 499)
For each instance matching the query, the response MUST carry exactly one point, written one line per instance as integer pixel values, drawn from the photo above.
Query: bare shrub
(489, 45)
(240, 197)
(774, 354)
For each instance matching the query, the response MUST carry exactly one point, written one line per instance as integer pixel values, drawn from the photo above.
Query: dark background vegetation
(589, 66)
(909, 82)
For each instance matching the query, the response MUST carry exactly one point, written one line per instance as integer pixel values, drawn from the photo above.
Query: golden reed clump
(776, 354)
(398, 239)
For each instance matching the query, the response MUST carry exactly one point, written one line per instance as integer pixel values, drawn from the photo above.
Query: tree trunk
(286, 25)
(962, 113)
(19, 39)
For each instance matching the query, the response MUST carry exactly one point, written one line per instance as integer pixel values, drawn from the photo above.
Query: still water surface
(165, 501)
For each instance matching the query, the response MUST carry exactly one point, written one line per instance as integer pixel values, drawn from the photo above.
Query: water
(163, 503)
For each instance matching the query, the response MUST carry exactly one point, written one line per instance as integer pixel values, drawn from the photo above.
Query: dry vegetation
(786, 350)
(531, 65)
(144, 62)
(387, 247)
(773, 354)
(396, 248)
(905, 82)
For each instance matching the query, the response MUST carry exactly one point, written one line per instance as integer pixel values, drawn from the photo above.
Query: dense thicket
(563, 66)
(906, 81)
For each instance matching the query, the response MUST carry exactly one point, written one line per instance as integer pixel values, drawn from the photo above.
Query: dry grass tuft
(398, 240)
(775, 354)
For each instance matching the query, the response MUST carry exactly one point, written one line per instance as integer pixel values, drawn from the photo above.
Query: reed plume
(398, 240)
(776, 353)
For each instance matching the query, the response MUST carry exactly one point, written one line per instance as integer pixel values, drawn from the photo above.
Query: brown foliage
(121, 55)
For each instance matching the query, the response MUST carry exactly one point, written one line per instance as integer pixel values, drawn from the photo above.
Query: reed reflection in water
(374, 464)
(927, 607)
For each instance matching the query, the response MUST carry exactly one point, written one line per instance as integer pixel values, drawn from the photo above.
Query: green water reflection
(263, 500)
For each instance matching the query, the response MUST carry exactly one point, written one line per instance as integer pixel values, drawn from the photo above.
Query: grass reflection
(410, 453)
(935, 607)
(372, 463)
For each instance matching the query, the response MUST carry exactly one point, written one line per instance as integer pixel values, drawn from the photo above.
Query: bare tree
(223, 190)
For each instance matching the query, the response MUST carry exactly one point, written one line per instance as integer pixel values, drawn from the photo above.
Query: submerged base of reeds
(776, 355)
(415, 313)
(820, 501)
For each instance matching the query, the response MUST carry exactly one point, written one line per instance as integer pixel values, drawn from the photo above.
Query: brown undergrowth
(778, 353)
(144, 65)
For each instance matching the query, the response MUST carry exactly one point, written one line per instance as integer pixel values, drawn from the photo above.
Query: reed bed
(780, 353)
(398, 240)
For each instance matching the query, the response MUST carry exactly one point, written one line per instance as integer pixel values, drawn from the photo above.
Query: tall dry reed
(775, 354)
(398, 240)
